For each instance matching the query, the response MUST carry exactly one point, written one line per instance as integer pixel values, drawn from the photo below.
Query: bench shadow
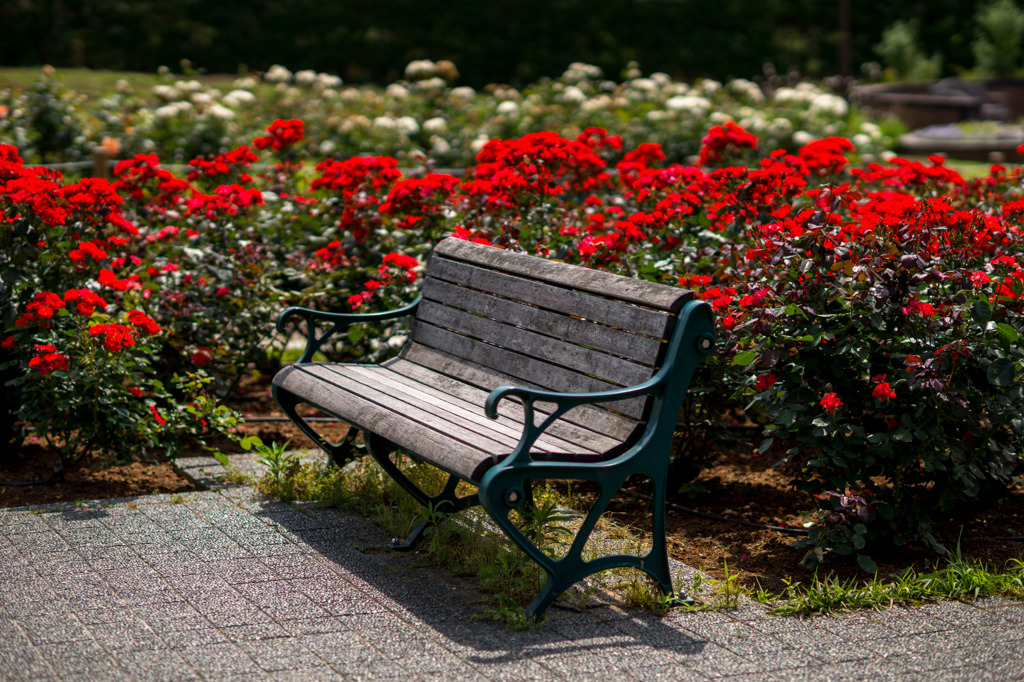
(456, 608)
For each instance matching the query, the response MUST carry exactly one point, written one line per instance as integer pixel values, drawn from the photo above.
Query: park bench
(517, 369)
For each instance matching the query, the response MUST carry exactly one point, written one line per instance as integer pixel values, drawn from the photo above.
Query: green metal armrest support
(345, 449)
(506, 486)
(339, 322)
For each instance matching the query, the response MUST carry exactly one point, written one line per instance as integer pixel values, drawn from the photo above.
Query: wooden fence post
(100, 162)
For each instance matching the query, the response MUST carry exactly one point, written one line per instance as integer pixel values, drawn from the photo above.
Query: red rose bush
(869, 314)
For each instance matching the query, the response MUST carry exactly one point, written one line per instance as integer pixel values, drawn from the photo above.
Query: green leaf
(1000, 372)
(903, 434)
(250, 442)
(859, 542)
(867, 563)
(744, 359)
(1007, 333)
(981, 311)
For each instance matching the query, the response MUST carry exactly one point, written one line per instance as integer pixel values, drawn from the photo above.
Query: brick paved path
(229, 584)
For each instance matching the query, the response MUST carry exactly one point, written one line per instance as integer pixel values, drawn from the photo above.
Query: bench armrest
(338, 322)
(563, 403)
(692, 339)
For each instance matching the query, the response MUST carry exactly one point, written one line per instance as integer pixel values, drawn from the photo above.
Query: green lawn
(96, 83)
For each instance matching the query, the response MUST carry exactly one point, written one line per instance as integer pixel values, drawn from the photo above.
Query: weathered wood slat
(545, 352)
(506, 429)
(492, 359)
(455, 451)
(636, 291)
(430, 365)
(635, 347)
(472, 398)
(520, 366)
(605, 311)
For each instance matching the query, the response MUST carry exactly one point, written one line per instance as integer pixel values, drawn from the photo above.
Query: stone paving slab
(224, 583)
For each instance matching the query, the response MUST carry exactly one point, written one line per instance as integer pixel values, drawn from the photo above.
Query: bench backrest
(491, 317)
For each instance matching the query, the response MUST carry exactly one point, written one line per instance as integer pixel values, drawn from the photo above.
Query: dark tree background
(490, 41)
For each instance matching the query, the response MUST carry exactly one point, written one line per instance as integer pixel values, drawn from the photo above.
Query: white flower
(385, 123)
(754, 123)
(861, 140)
(408, 125)
(305, 77)
(871, 130)
(596, 103)
(171, 110)
(662, 79)
(189, 86)
(656, 116)
(396, 91)
(435, 125)
(462, 92)
(326, 147)
(794, 96)
(578, 71)
(201, 99)
(826, 103)
(245, 83)
(573, 95)
(479, 143)
(719, 117)
(278, 74)
(420, 68)
(507, 107)
(239, 98)
(166, 92)
(643, 85)
(802, 137)
(434, 83)
(709, 87)
(353, 122)
(688, 103)
(221, 112)
(780, 126)
(439, 145)
(747, 90)
(326, 80)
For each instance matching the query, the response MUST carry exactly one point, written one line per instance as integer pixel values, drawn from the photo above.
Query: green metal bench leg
(446, 501)
(571, 568)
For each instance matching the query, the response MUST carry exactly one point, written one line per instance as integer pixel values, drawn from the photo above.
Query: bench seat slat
(637, 291)
(625, 344)
(451, 444)
(473, 399)
(559, 298)
(543, 352)
(522, 367)
(440, 403)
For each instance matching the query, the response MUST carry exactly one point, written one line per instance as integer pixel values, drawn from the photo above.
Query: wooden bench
(517, 369)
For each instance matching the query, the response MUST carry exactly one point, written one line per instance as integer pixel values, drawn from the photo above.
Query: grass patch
(472, 546)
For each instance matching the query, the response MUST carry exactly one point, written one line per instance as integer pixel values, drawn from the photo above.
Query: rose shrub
(869, 314)
(80, 354)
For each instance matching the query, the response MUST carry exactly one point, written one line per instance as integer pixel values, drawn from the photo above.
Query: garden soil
(736, 488)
